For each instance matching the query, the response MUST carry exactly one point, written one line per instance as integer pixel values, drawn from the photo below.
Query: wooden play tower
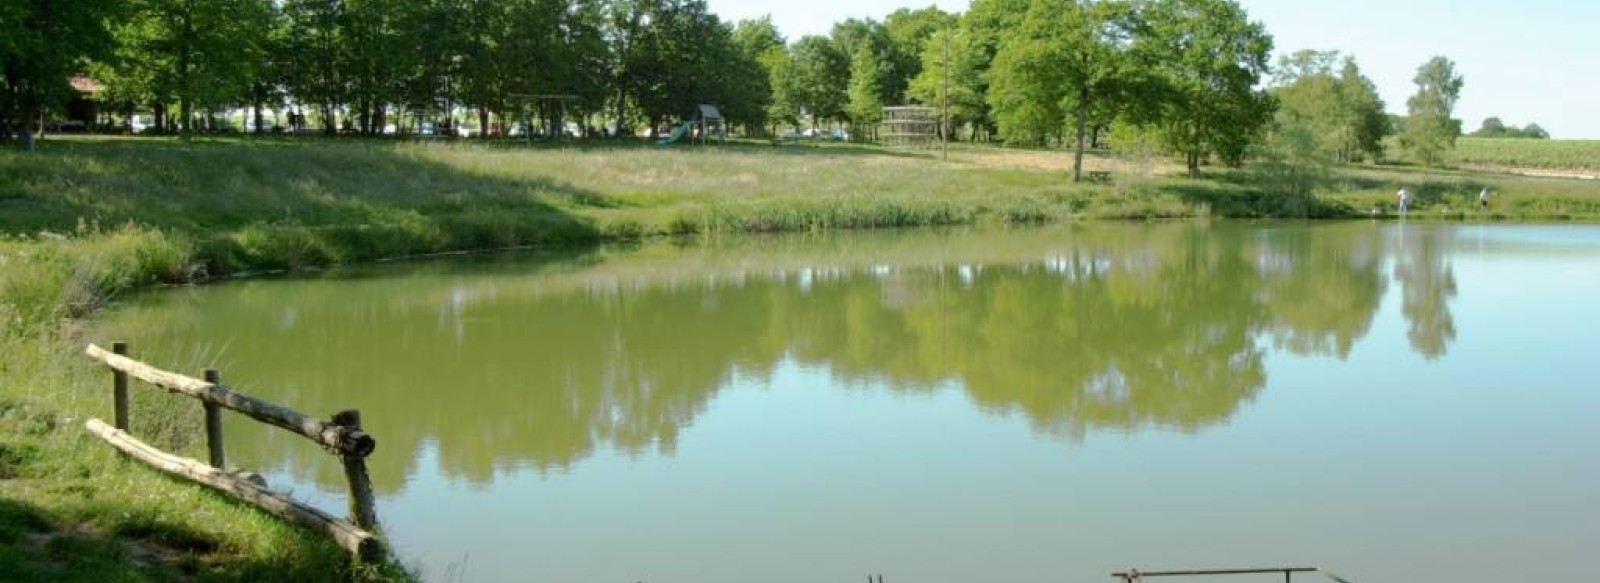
(909, 127)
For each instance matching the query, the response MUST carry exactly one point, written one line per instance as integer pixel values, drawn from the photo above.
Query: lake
(1392, 402)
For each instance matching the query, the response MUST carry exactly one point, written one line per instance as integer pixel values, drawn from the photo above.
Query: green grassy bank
(82, 221)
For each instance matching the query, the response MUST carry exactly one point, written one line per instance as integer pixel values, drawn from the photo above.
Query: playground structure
(708, 123)
(909, 127)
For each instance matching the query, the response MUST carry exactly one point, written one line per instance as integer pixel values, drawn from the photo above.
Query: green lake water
(1393, 402)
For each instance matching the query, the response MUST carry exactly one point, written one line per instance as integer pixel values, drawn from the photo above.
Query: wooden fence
(341, 435)
(1135, 575)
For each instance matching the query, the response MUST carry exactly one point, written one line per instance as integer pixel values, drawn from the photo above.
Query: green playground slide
(678, 134)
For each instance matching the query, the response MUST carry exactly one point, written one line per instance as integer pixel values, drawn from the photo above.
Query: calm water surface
(1393, 402)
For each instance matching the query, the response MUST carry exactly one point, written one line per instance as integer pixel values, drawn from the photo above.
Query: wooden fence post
(362, 507)
(214, 423)
(119, 389)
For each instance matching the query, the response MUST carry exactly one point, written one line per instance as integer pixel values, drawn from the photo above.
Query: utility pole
(944, 122)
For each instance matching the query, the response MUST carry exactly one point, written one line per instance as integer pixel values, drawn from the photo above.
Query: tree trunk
(483, 122)
(1194, 165)
(260, 131)
(1083, 121)
(329, 124)
(30, 118)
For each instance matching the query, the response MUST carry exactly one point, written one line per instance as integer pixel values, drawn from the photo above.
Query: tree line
(1189, 75)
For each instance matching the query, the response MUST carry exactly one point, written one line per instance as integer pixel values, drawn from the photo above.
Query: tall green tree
(867, 74)
(784, 108)
(42, 44)
(208, 52)
(682, 56)
(313, 51)
(1429, 128)
(1367, 119)
(985, 24)
(1207, 58)
(819, 77)
(377, 58)
(908, 31)
(962, 92)
(1067, 59)
(1332, 101)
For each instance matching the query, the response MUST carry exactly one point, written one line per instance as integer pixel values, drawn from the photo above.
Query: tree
(908, 32)
(1067, 56)
(759, 42)
(206, 54)
(42, 44)
(785, 104)
(1495, 128)
(1340, 110)
(1491, 128)
(313, 50)
(820, 76)
(985, 23)
(866, 88)
(1429, 129)
(1366, 119)
(963, 91)
(1207, 58)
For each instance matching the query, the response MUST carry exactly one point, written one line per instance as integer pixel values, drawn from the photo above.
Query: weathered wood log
(363, 509)
(119, 389)
(345, 440)
(362, 543)
(214, 425)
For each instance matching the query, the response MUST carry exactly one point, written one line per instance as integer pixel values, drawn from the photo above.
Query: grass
(82, 221)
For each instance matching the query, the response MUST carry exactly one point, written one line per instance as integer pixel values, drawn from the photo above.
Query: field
(82, 221)
(1570, 155)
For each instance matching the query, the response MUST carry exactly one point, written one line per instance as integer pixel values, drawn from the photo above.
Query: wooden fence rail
(1134, 575)
(342, 435)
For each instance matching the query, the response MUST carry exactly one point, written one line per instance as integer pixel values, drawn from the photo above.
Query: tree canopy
(1493, 127)
(43, 43)
(1429, 129)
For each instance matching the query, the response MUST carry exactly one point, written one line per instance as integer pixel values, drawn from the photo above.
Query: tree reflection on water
(506, 364)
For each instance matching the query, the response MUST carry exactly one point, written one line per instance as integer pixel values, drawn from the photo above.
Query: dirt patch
(1569, 173)
(1056, 161)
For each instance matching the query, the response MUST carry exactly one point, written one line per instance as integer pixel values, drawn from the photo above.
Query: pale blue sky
(1524, 60)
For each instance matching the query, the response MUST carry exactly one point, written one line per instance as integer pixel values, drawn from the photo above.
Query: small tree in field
(1429, 130)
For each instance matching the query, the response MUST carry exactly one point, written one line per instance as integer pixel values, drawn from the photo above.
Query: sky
(1523, 60)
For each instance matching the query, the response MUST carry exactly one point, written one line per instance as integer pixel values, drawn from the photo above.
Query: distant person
(1483, 199)
(1405, 199)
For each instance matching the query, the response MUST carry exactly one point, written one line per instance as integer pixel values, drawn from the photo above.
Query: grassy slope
(129, 213)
